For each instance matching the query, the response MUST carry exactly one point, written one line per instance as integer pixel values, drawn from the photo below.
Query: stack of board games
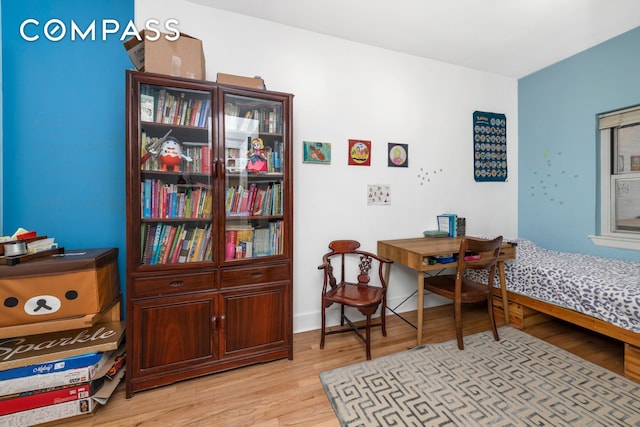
(51, 377)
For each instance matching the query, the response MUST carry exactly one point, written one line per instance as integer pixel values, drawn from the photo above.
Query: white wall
(348, 90)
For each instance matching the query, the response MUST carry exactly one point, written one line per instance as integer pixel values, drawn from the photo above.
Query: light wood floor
(289, 393)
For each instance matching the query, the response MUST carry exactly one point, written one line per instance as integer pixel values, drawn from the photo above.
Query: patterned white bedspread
(604, 288)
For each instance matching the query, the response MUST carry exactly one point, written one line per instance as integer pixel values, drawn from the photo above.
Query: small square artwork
(398, 155)
(316, 152)
(378, 194)
(635, 163)
(359, 152)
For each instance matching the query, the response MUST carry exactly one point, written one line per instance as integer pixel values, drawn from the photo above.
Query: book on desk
(452, 224)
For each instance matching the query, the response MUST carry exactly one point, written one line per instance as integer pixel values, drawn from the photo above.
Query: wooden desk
(414, 252)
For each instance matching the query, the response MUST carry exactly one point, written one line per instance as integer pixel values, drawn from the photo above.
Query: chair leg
(383, 317)
(323, 326)
(368, 337)
(342, 315)
(457, 315)
(492, 318)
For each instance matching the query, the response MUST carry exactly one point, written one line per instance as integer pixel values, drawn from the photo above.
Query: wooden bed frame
(526, 311)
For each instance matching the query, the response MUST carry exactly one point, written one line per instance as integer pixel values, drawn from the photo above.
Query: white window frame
(607, 235)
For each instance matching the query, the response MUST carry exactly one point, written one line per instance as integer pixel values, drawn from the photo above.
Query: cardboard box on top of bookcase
(161, 54)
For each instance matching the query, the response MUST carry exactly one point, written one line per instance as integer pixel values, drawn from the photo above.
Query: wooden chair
(464, 290)
(358, 291)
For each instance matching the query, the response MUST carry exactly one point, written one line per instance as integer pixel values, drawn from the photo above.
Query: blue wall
(557, 145)
(64, 126)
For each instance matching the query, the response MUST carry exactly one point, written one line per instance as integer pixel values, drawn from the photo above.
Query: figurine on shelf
(257, 157)
(171, 155)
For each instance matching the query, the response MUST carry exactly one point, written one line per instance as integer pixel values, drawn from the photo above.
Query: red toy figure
(257, 158)
(171, 155)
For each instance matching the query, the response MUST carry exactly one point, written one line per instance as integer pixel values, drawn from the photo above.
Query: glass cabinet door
(175, 175)
(254, 156)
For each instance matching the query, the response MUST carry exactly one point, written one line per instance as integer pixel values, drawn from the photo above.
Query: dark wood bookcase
(209, 228)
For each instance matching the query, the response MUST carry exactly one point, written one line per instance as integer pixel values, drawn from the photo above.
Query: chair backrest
(354, 265)
(489, 250)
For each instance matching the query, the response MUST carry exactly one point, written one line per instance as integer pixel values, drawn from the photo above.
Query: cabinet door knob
(222, 321)
(176, 284)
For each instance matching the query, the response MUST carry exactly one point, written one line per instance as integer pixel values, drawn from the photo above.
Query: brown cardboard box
(44, 348)
(111, 313)
(181, 58)
(78, 283)
(230, 79)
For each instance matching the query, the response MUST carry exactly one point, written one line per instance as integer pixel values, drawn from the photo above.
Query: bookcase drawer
(251, 276)
(170, 284)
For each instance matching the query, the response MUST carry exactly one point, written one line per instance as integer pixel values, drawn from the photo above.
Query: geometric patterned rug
(517, 381)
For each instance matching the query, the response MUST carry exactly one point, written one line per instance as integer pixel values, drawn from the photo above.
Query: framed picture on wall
(398, 155)
(359, 152)
(316, 152)
(489, 146)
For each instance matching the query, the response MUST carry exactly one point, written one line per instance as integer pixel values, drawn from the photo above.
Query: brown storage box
(76, 283)
(47, 347)
(109, 314)
(181, 58)
(230, 79)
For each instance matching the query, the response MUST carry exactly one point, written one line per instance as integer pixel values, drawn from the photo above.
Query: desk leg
(420, 305)
(503, 288)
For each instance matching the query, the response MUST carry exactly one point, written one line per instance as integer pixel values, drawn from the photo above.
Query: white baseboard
(313, 320)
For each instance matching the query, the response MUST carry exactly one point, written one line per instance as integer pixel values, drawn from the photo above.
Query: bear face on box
(76, 283)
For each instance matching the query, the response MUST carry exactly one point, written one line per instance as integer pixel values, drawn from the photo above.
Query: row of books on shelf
(172, 243)
(59, 388)
(269, 119)
(200, 156)
(245, 241)
(159, 105)
(254, 200)
(162, 200)
(198, 152)
(148, 162)
(273, 155)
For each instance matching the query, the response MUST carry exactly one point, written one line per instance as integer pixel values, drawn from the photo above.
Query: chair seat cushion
(354, 295)
(444, 285)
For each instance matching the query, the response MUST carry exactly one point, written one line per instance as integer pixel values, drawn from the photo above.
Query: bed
(600, 294)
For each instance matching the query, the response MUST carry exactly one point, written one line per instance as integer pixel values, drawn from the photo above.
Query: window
(619, 179)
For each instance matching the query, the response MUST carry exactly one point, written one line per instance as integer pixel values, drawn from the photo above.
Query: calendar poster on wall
(489, 146)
